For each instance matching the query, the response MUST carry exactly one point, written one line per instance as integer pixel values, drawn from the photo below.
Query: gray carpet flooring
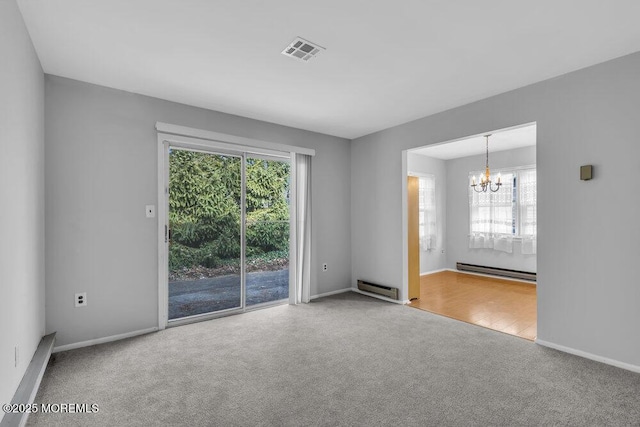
(341, 360)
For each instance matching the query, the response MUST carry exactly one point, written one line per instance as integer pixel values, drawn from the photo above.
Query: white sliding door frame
(223, 144)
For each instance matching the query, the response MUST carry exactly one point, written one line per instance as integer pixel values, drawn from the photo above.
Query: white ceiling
(386, 63)
(508, 139)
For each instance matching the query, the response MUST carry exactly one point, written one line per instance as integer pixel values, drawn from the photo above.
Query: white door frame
(214, 147)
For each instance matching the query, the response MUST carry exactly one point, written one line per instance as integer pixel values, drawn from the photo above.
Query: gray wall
(588, 290)
(21, 198)
(101, 171)
(434, 259)
(458, 211)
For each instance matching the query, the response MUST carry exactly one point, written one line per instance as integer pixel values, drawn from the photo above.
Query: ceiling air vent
(302, 49)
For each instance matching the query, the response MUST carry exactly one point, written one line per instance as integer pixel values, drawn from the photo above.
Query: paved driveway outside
(188, 298)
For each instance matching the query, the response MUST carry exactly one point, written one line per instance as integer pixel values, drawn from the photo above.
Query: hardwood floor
(499, 304)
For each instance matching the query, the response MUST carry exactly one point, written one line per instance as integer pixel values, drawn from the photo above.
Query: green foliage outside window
(204, 210)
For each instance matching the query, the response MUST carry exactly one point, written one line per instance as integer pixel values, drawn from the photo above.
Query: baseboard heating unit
(494, 271)
(378, 289)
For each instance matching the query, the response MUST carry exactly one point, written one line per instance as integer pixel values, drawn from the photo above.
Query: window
(427, 211)
(496, 218)
(527, 203)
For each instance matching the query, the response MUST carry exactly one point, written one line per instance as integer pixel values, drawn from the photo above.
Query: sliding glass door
(205, 234)
(267, 230)
(228, 234)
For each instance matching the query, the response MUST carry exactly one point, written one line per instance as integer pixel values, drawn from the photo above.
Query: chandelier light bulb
(485, 180)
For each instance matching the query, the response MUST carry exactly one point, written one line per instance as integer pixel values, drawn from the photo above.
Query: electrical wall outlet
(324, 267)
(81, 299)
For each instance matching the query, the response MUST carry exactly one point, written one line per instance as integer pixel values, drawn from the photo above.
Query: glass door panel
(267, 230)
(205, 233)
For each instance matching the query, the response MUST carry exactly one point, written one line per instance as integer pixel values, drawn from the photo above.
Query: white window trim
(238, 143)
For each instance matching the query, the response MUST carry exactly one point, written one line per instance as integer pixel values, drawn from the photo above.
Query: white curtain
(491, 216)
(527, 191)
(427, 208)
(300, 267)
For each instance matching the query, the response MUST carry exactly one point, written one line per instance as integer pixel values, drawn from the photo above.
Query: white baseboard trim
(104, 339)
(591, 356)
(326, 294)
(434, 271)
(369, 294)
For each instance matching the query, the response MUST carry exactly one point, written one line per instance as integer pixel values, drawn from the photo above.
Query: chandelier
(485, 180)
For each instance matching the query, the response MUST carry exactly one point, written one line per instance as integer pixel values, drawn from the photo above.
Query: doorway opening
(457, 224)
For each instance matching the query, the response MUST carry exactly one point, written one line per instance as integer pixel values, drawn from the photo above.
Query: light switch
(151, 211)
